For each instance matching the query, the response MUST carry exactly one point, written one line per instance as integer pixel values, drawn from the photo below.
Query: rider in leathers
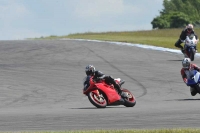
(187, 65)
(185, 32)
(98, 75)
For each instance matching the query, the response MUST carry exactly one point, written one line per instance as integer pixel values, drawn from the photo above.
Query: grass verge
(123, 131)
(161, 37)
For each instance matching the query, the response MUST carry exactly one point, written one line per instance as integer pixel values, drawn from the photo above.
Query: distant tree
(160, 23)
(178, 20)
(170, 20)
(178, 13)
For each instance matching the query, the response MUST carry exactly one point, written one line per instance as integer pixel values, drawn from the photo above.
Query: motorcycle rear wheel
(97, 100)
(197, 87)
(130, 100)
(193, 91)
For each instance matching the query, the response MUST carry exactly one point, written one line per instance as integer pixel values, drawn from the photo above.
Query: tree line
(177, 14)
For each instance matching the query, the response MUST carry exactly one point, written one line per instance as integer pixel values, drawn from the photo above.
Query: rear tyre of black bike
(192, 53)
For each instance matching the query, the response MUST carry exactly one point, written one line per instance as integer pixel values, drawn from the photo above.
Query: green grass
(122, 131)
(163, 38)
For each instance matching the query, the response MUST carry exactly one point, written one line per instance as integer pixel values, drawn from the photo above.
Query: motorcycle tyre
(131, 101)
(197, 87)
(192, 53)
(91, 97)
(193, 91)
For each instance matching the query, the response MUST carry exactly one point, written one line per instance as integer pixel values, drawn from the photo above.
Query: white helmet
(189, 27)
(186, 63)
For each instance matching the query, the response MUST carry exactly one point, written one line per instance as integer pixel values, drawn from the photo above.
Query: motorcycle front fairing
(191, 48)
(89, 85)
(190, 43)
(110, 92)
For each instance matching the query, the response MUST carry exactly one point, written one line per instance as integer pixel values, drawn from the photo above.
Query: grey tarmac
(41, 87)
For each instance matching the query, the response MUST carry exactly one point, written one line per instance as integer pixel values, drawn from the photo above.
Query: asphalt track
(41, 87)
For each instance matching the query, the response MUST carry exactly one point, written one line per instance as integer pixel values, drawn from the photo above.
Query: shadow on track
(174, 60)
(98, 108)
(189, 99)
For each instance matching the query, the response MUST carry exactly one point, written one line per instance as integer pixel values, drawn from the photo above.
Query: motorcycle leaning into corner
(190, 46)
(101, 94)
(193, 80)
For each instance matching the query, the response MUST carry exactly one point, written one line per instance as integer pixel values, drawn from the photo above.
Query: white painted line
(138, 45)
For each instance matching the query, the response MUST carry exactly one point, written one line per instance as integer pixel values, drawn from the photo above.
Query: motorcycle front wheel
(192, 53)
(97, 100)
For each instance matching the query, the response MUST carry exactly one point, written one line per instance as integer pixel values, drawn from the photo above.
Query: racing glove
(185, 80)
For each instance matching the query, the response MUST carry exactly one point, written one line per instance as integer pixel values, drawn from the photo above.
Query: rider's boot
(193, 91)
(118, 88)
(121, 93)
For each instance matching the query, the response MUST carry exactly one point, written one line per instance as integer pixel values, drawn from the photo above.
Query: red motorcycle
(101, 94)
